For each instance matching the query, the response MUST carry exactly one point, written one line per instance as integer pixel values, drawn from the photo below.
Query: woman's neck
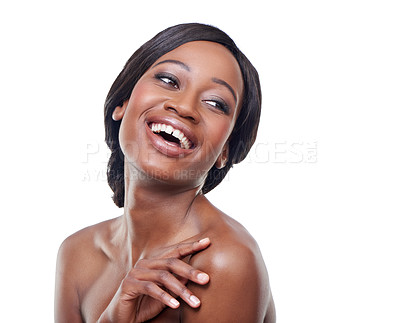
(156, 214)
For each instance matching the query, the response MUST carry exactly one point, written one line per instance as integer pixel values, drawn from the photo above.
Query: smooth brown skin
(130, 268)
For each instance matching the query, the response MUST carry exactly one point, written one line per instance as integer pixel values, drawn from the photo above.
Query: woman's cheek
(127, 143)
(218, 136)
(142, 98)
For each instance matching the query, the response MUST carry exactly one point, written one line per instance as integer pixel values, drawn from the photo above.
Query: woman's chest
(99, 291)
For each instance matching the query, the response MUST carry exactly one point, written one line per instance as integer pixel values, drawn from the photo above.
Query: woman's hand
(146, 290)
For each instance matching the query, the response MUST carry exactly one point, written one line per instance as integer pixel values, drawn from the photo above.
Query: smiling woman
(183, 110)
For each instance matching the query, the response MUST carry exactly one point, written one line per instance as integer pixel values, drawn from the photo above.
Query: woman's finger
(170, 282)
(184, 249)
(175, 266)
(151, 289)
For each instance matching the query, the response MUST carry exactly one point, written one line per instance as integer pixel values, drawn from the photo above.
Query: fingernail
(204, 240)
(174, 302)
(194, 300)
(202, 277)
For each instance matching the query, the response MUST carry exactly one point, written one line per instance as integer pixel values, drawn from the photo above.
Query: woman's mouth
(172, 135)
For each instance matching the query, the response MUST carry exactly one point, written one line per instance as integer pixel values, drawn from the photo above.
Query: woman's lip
(167, 148)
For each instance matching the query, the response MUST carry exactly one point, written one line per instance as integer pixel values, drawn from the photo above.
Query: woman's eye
(220, 105)
(168, 79)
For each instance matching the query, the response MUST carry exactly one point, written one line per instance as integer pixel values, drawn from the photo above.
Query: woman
(183, 110)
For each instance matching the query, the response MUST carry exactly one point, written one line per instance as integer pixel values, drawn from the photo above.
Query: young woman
(183, 110)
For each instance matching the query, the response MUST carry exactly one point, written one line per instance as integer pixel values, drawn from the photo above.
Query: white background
(320, 191)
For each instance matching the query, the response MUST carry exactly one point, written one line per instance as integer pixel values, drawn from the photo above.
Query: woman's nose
(185, 107)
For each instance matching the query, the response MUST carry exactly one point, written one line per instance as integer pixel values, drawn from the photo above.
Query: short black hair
(244, 132)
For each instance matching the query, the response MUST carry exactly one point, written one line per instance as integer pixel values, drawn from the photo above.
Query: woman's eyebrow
(174, 62)
(222, 82)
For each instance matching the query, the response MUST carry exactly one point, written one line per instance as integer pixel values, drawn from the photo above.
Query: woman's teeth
(161, 127)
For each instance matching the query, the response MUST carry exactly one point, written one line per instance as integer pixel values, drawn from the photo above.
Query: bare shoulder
(79, 257)
(239, 289)
(83, 249)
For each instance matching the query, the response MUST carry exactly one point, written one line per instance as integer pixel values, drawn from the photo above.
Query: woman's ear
(223, 157)
(119, 111)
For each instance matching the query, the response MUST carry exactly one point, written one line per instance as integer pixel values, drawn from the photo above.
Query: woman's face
(177, 121)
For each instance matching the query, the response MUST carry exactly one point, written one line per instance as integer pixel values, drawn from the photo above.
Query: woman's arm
(271, 313)
(238, 290)
(66, 300)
